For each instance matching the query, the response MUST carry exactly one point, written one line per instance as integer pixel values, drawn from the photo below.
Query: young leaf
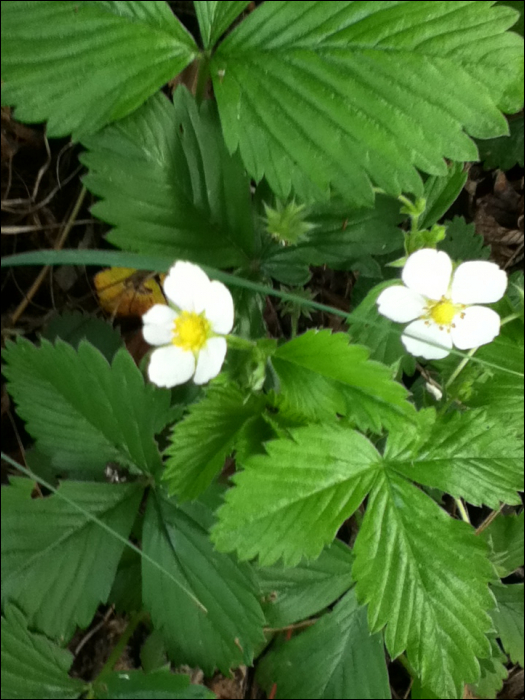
(209, 433)
(424, 577)
(227, 634)
(57, 564)
(169, 186)
(32, 666)
(317, 93)
(441, 193)
(466, 455)
(82, 411)
(81, 65)
(322, 375)
(161, 685)
(505, 539)
(508, 620)
(215, 18)
(336, 658)
(291, 502)
(291, 595)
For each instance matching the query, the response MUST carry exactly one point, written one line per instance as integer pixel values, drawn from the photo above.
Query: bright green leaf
(229, 632)
(169, 186)
(290, 595)
(441, 193)
(322, 375)
(466, 455)
(82, 411)
(504, 536)
(291, 502)
(508, 620)
(57, 564)
(215, 17)
(32, 666)
(504, 152)
(207, 435)
(336, 658)
(81, 65)
(159, 685)
(516, 5)
(424, 576)
(462, 242)
(320, 93)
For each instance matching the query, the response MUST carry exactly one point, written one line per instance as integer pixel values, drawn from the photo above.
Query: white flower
(190, 333)
(444, 304)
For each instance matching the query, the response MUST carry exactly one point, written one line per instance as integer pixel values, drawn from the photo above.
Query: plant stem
(463, 510)
(121, 645)
(202, 77)
(235, 341)
(464, 362)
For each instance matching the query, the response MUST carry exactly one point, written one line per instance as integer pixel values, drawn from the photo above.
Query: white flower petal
(479, 326)
(170, 366)
(218, 308)
(158, 324)
(428, 272)
(401, 304)
(427, 340)
(210, 360)
(187, 286)
(478, 282)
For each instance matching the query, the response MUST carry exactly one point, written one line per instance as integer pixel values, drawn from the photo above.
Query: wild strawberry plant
(315, 133)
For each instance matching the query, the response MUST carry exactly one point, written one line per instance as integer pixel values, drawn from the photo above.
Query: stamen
(191, 331)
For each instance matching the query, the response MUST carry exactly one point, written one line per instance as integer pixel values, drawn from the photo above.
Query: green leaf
(424, 577)
(516, 5)
(72, 327)
(291, 595)
(462, 241)
(207, 435)
(169, 186)
(228, 633)
(508, 620)
(504, 152)
(504, 536)
(82, 411)
(466, 455)
(340, 236)
(493, 673)
(158, 685)
(322, 375)
(336, 658)
(126, 592)
(81, 65)
(58, 565)
(291, 502)
(215, 18)
(441, 192)
(318, 93)
(32, 666)
(420, 693)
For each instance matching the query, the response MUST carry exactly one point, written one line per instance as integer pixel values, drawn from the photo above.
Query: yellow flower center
(191, 331)
(444, 311)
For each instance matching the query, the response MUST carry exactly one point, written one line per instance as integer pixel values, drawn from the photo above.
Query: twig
(463, 510)
(15, 230)
(490, 519)
(85, 639)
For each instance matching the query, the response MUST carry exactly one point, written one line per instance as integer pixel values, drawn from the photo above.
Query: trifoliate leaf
(322, 375)
(215, 18)
(290, 595)
(81, 65)
(82, 411)
(318, 93)
(169, 186)
(504, 152)
(425, 577)
(462, 242)
(32, 666)
(58, 564)
(227, 634)
(493, 673)
(72, 327)
(466, 455)
(504, 536)
(208, 434)
(291, 502)
(159, 685)
(508, 620)
(336, 658)
(441, 192)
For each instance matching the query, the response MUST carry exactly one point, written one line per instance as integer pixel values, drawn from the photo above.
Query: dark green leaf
(441, 193)
(505, 151)
(462, 241)
(508, 620)
(505, 539)
(72, 327)
(159, 685)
